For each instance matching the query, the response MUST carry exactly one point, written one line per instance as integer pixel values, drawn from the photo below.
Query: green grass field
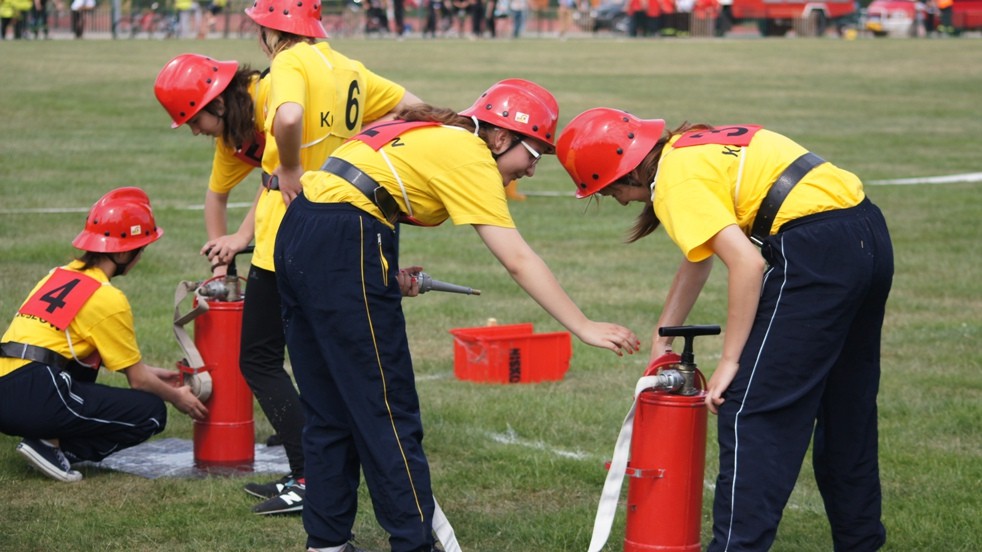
(79, 118)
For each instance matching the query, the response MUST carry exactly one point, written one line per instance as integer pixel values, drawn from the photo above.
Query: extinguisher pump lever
(687, 366)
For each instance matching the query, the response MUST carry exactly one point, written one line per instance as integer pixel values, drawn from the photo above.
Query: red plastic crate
(511, 353)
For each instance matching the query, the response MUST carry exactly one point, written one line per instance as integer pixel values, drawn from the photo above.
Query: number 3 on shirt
(733, 135)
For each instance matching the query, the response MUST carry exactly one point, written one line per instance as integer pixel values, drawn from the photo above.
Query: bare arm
(216, 212)
(688, 283)
(745, 268)
(145, 378)
(532, 274)
(288, 132)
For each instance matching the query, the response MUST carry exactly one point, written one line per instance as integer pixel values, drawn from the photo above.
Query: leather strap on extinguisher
(197, 378)
(611, 493)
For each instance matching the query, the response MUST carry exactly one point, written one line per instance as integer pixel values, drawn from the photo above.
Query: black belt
(778, 192)
(270, 182)
(12, 349)
(377, 194)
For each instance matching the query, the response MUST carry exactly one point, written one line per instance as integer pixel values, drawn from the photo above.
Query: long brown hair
(445, 116)
(239, 114)
(644, 174)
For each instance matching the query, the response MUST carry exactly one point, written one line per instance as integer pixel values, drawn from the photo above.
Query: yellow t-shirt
(104, 324)
(447, 172)
(227, 169)
(701, 189)
(339, 95)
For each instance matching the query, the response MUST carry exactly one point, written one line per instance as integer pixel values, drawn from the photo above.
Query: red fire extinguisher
(665, 436)
(226, 437)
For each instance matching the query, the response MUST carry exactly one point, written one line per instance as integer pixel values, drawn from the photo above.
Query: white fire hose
(669, 380)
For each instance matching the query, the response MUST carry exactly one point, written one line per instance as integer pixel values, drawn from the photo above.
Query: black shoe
(274, 440)
(269, 490)
(48, 460)
(289, 500)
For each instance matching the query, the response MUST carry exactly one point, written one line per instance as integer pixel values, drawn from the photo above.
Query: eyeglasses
(535, 155)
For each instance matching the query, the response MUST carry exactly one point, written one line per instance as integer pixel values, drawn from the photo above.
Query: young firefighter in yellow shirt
(72, 322)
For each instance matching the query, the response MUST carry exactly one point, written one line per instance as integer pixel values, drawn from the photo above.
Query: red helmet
(521, 106)
(601, 145)
(299, 17)
(189, 82)
(120, 221)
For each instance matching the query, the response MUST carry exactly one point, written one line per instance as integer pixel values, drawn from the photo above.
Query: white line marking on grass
(510, 437)
(432, 377)
(950, 179)
(57, 210)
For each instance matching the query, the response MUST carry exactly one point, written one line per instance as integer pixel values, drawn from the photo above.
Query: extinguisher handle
(232, 272)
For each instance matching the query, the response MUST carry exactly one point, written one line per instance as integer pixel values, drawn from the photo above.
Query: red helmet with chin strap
(520, 106)
(601, 145)
(120, 221)
(299, 17)
(189, 82)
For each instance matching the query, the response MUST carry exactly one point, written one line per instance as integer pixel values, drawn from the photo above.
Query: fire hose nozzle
(427, 283)
(666, 380)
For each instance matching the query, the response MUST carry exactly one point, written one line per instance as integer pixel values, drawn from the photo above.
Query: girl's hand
(718, 384)
(610, 336)
(409, 281)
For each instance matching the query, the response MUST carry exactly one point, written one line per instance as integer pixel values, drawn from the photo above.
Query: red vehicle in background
(966, 15)
(777, 17)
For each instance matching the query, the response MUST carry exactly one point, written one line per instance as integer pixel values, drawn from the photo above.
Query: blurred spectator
(39, 19)
(644, 17)
(518, 9)
(399, 16)
(214, 8)
(80, 10)
(567, 9)
(945, 7)
(495, 10)
(477, 18)
(188, 17)
(461, 9)
(931, 15)
(724, 18)
(437, 18)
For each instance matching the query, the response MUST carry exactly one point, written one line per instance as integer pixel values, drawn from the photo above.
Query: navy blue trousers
(90, 420)
(811, 366)
(346, 333)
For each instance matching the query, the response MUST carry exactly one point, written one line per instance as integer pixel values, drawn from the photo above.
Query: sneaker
(290, 500)
(349, 547)
(270, 490)
(48, 460)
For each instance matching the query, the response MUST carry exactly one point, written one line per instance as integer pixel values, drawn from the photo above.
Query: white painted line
(510, 437)
(950, 179)
(56, 210)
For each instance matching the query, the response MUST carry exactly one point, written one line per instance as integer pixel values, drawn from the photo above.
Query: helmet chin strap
(121, 267)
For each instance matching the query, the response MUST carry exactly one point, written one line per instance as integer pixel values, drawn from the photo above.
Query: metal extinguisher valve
(687, 367)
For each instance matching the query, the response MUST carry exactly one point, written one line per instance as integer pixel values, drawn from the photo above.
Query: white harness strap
(71, 346)
(736, 189)
(402, 187)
